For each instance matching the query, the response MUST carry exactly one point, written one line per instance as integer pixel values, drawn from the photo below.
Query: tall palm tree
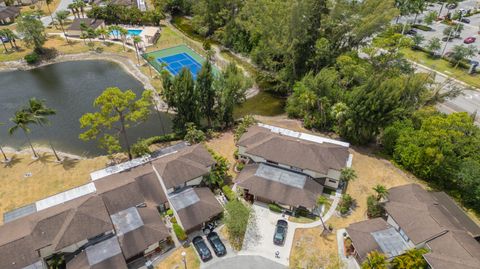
(48, 2)
(375, 260)
(73, 8)
(8, 33)
(2, 34)
(21, 120)
(40, 113)
(104, 33)
(80, 5)
(61, 16)
(413, 258)
(381, 191)
(136, 40)
(3, 153)
(123, 33)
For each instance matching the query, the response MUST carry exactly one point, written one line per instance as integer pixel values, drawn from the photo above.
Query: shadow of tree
(13, 161)
(43, 158)
(69, 163)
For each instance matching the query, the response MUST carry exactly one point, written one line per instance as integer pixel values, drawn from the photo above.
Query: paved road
(245, 262)
(62, 6)
(468, 102)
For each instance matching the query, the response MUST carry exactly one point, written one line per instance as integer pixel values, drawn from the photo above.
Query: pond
(70, 88)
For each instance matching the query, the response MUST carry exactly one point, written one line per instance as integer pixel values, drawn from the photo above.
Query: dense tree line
(442, 149)
(114, 14)
(207, 101)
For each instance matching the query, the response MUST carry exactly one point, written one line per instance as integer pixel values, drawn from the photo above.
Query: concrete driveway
(215, 259)
(259, 236)
(245, 262)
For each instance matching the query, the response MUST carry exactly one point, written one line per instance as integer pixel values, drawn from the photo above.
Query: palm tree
(375, 260)
(103, 32)
(21, 120)
(114, 30)
(48, 2)
(61, 16)
(8, 33)
(40, 112)
(123, 33)
(136, 40)
(81, 5)
(3, 153)
(381, 191)
(73, 8)
(348, 174)
(2, 35)
(413, 258)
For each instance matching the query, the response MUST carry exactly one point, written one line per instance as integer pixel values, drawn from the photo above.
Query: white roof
(303, 136)
(65, 196)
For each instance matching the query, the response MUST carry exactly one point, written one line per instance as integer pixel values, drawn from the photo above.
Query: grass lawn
(442, 66)
(174, 260)
(48, 178)
(185, 25)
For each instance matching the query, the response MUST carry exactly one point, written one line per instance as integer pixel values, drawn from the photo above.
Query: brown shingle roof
(152, 231)
(186, 164)
(318, 157)
(9, 12)
(151, 189)
(200, 212)
(18, 254)
(454, 250)
(279, 192)
(360, 233)
(123, 197)
(81, 262)
(93, 23)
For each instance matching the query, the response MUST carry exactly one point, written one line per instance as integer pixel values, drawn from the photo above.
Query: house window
(332, 181)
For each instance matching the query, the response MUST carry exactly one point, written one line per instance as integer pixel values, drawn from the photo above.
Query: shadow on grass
(69, 163)
(13, 161)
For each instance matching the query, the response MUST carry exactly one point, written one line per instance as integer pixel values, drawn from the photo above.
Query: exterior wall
(194, 182)
(151, 248)
(74, 33)
(74, 247)
(332, 183)
(46, 251)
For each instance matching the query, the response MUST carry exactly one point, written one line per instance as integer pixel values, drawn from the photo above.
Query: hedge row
(229, 193)
(179, 232)
(275, 208)
(163, 138)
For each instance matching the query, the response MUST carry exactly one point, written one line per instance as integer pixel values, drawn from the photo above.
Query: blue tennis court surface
(175, 63)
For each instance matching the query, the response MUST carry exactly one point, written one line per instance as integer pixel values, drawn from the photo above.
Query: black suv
(202, 248)
(280, 232)
(217, 244)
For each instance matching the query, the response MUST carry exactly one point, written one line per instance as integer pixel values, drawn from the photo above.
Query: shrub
(170, 212)
(173, 220)
(162, 138)
(345, 204)
(242, 127)
(193, 135)
(374, 209)
(229, 193)
(422, 27)
(240, 166)
(140, 148)
(179, 232)
(275, 208)
(32, 58)
(235, 154)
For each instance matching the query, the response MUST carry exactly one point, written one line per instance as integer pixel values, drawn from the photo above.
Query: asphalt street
(245, 262)
(62, 6)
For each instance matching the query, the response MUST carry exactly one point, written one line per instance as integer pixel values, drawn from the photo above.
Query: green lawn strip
(442, 66)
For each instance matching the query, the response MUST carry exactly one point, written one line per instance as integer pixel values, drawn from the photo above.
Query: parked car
(280, 232)
(4, 39)
(217, 244)
(465, 20)
(469, 40)
(202, 248)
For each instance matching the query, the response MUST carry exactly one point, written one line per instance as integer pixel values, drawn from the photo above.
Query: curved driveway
(245, 262)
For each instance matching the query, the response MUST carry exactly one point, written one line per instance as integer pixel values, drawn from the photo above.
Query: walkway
(63, 5)
(245, 262)
(349, 262)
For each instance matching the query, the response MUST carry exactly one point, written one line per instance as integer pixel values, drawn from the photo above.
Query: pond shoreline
(43, 150)
(127, 64)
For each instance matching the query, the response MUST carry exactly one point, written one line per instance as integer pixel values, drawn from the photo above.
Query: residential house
(75, 29)
(8, 14)
(289, 168)
(417, 218)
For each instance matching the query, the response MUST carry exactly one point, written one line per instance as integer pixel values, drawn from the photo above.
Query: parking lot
(259, 236)
(469, 29)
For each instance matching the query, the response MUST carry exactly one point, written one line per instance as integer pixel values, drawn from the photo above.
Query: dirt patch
(174, 260)
(25, 180)
(225, 146)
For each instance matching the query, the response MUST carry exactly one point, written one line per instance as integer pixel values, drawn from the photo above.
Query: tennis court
(175, 63)
(174, 59)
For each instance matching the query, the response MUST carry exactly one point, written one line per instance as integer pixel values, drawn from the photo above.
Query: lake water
(70, 88)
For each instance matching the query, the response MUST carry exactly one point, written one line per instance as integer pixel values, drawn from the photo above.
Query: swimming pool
(131, 32)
